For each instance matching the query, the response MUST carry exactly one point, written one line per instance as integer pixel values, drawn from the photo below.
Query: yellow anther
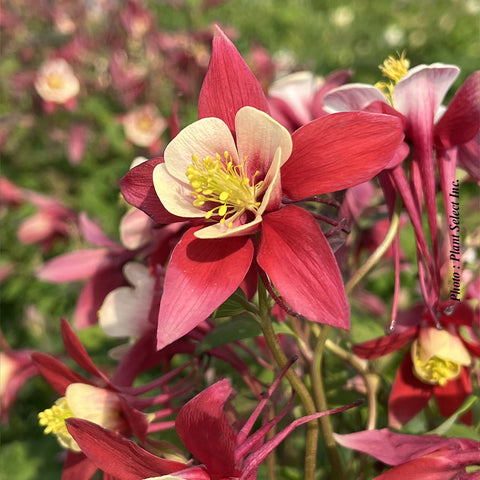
(434, 371)
(222, 182)
(393, 69)
(53, 419)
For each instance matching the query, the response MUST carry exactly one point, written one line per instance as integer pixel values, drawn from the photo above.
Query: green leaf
(237, 328)
(232, 306)
(448, 424)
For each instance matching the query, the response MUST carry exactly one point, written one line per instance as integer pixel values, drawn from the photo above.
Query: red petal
(381, 346)
(116, 455)
(201, 275)
(138, 190)
(229, 84)
(451, 396)
(461, 121)
(298, 259)
(408, 396)
(203, 427)
(339, 151)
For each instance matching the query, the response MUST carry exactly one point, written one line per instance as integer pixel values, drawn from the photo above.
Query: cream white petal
(203, 138)
(174, 195)
(258, 137)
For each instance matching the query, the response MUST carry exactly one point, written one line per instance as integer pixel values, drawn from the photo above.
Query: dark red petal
(203, 427)
(58, 375)
(201, 275)
(116, 455)
(77, 351)
(77, 467)
(300, 263)
(381, 346)
(138, 190)
(461, 122)
(229, 84)
(339, 151)
(451, 396)
(408, 396)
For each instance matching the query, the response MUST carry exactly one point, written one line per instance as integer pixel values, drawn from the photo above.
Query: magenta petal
(339, 151)
(116, 455)
(300, 263)
(75, 265)
(203, 427)
(408, 396)
(229, 84)
(392, 448)
(201, 275)
(138, 190)
(461, 121)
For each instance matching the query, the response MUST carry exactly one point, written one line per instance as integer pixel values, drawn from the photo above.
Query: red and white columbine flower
(57, 84)
(228, 173)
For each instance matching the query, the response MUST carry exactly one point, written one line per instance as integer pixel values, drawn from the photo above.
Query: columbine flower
(206, 430)
(56, 83)
(437, 364)
(430, 457)
(97, 405)
(144, 125)
(227, 174)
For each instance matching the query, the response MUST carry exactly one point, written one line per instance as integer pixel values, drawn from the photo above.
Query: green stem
(321, 402)
(299, 387)
(371, 379)
(380, 250)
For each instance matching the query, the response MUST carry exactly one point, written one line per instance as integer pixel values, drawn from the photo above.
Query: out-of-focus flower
(230, 188)
(143, 126)
(52, 221)
(57, 84)
(437, 364)
(125, 312)
(297, 99)
(16, 367)
(429, 457)
(77, 143)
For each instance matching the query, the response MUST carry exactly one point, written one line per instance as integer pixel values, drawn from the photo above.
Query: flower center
(53, 419)
(394, 69)
(225, 184)
(436, 370)
(54, 81)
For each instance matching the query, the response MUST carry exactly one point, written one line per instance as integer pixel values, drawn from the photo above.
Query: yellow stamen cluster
(436, 371)
(53, 419)
(222, 182)
(55, 81)
(394, 69)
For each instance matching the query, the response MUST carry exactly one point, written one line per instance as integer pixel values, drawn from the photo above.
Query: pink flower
(429, 457)
(143, 126)
(57, 84)
(16, 367)
(227, 174)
